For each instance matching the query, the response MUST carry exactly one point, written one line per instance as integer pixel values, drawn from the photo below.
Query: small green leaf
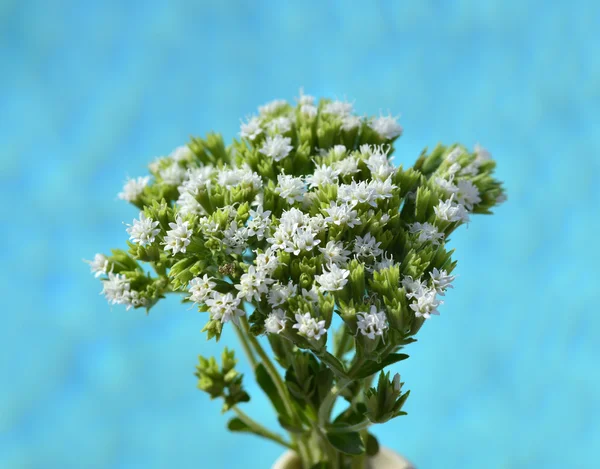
(372, 445)
(237, 425)
(349, 443)
(371, 367)
(266, 383)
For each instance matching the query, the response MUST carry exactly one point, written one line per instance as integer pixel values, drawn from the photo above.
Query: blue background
(91, 91)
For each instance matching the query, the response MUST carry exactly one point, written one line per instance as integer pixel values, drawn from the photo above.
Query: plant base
(385, 459)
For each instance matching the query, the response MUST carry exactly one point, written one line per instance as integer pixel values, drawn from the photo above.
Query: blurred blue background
(91, 91)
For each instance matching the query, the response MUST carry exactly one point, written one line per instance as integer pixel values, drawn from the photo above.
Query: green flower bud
(385, 402)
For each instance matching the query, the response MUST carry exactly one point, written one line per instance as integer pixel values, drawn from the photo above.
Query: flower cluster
(304, 216)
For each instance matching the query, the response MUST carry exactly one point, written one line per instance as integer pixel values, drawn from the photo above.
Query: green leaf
(285, 423)
(349, 443)
(266, 383)
(371, 367)
(237, 425)
(372, 445)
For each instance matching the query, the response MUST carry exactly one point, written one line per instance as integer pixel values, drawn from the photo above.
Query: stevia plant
(304, 232)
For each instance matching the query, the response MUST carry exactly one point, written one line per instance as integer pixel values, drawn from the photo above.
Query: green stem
(260, 430)
(327, 404)
(246, 347)
(275, 376)
(338, 352)
(279, 384)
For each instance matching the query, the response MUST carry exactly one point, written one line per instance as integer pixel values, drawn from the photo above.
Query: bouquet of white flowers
(304, 231)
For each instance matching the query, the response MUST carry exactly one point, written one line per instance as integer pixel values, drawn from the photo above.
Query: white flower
(230, 178)
(201, 288)
(224, 307)
(396, 383)
(275, 321)
(468, 194)
(267, 261)
(340, 108)
(133, 188)
(272, 106)
(309, 110)
(350, 122)
(236, 237)
(181, 153)
(338, 151)
(251, 129)
(385, 262)
(372, 323)
(427, 232)
(334, 253)
(277, 147)
(334, 279)
(367, 246)
(280, 125)
(426, 303)
(302, 239)
(178, 237)
(386, 127)
(291, 188)
(279, 293)
(501, 198)
(189, 205)
(143, 231)
(317, 223)
(446, 185)
(197, 179)
(207, 226)
(413, 287)
(312, 295)
(452, 157)
(305, 98)
(384, 189)
(322, 175)
(259, 222)
(378, 161)
(117, 290)
(173, 175)
(347, 166)
(481, 154)
(441, 280)
(343, 214)
(98, 266)
(453, 169)
(360, 192)
(451, 211)
(309, 327)
(253, 284)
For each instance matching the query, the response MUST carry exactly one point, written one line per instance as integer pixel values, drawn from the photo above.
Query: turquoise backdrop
(91, 91)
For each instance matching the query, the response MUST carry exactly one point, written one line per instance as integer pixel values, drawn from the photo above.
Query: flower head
(386, 127)
(99, 265)
(333, 279)
(178, 237)
(309, 327)
(143, 231)
(133, 188)
(372, 323)
(275, 321)
(277, 147)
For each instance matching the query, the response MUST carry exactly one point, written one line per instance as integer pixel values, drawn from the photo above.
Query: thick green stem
(279, 384)
(275, 376)
(257, 428)
(246, 347)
